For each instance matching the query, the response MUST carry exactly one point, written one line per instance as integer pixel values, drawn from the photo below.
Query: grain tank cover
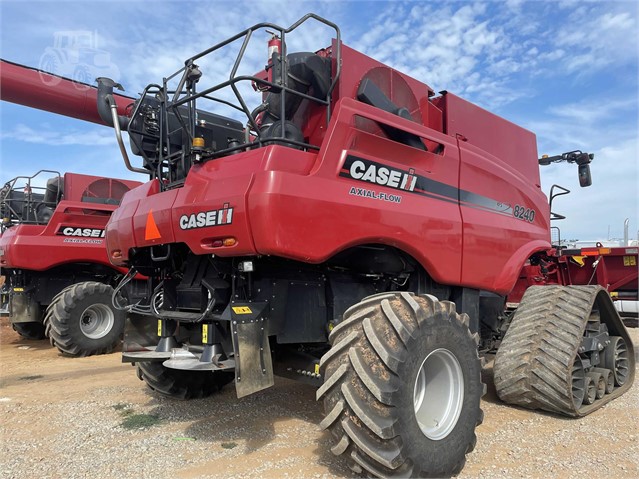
(501, 138)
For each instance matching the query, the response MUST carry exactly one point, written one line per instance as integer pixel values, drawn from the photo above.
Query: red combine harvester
(357, 232)
(59, 280)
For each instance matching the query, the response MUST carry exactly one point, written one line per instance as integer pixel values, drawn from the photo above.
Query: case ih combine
(59, 280)
(357, 232)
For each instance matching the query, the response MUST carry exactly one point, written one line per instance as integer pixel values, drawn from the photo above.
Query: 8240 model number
(522, 213)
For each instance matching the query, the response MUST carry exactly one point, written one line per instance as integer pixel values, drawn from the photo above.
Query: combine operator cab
(30, 199)
(172, 126)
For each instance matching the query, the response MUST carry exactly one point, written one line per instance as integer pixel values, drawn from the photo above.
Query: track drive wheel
(615, 358)
(31, 330)
(402, 387)
(81, 320)
(179, 384)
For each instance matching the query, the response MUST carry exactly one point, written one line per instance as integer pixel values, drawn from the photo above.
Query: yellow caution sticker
(241, 310)
(159, 327)
(205, 333)
(578, 259)
(630, 261)
(18, 290)
(317, 369)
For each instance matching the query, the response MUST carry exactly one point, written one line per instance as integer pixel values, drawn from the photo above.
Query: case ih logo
(364, 170)
(207, 218)
(81, 232)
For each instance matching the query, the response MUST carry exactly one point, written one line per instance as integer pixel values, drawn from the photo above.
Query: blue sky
(567, 70)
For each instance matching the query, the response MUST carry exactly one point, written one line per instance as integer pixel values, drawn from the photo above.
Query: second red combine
(59, 281)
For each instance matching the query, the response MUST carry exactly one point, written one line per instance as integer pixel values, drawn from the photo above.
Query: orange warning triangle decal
(151, 231)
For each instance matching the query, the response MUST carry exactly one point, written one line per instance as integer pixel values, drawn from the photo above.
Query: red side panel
(308, 206)
(505, 220)
(312, 218)
(505, 213)
(71, 236)
(513, 145)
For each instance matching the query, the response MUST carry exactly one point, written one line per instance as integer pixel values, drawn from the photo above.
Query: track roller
(608, 378)
(591, 391)
(599, 384)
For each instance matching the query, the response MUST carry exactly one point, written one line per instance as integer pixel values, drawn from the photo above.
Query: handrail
(181, 100)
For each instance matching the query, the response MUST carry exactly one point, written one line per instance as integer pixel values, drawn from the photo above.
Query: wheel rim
(438, 394)
(96, 321)
(578, 383)
(621, 362)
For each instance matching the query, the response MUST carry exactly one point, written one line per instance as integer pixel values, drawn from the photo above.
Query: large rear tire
(402, 387)
(45, 321)
(81, 320)
(31, 330)
(179, 384)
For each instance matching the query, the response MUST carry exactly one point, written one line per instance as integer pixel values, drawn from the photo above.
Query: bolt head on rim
(438, 394)
(97, 321)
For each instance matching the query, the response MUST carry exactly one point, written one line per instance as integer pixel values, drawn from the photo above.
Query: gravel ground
(63, 418)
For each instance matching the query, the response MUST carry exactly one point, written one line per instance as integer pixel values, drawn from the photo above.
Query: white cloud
(591, 111)
(451, 50)
(598, 39)
(590, 124)
(608, 202)
(47, 136)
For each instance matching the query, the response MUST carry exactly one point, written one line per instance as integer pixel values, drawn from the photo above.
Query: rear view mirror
(585, 179)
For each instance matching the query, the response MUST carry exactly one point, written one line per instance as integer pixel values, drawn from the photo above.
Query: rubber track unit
(178, 384)
(368, 386)
(533, 365)
(58, 320)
